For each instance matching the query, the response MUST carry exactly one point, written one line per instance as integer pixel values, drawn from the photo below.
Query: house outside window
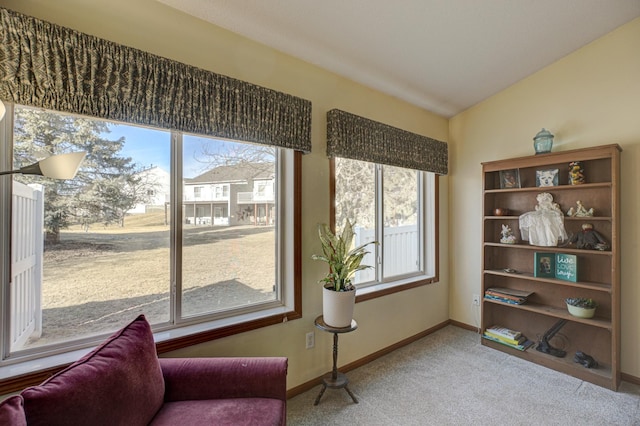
(102, 265)
(221, 192)
(395, 207)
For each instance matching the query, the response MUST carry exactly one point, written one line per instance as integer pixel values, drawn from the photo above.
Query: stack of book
(505, 336)
(507, 295)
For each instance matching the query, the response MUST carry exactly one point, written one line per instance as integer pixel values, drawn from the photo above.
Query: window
(396, 207)
(111, 247)
(221, 191)
(235, 266)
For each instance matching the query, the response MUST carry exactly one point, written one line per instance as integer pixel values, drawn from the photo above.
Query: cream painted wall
(150, 26)
(591, 97)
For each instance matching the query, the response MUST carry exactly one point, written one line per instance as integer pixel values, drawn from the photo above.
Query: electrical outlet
(310, 340)
(476, 299)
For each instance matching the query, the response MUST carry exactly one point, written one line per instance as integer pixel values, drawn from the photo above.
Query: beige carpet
(448, 378)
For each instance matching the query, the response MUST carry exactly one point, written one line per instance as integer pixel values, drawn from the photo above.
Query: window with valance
(385, 182)
(65, 76)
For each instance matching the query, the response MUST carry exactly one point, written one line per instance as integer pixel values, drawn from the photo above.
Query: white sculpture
(580, 211)
(545, 225)
(507, 235)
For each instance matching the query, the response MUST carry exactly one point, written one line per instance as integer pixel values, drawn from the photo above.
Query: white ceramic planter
(581, 312)
(337, 307)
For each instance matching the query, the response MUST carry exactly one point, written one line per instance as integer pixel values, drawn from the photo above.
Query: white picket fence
(400, 251)
(26, 263)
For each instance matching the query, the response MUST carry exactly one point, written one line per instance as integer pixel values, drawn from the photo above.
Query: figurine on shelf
(576, 175)
(580, 211)
(589, 239)
(507, 235)
(545, 225)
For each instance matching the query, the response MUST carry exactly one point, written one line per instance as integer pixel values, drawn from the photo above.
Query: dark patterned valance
(49, 66)
(358, 138)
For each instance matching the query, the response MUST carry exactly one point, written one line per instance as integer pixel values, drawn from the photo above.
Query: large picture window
(190, 231)
(396, 207)
(98, 78)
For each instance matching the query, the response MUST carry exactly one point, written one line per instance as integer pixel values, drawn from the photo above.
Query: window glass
(98, 252)
(229, 243)
(400, 242)
(355, 200)
(393, 206)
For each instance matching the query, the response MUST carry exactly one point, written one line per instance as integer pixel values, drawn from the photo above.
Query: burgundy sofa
(122, 382)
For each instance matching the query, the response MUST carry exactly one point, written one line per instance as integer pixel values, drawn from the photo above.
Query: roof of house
(242, 172)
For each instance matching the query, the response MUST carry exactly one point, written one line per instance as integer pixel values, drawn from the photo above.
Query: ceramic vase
(543, 142)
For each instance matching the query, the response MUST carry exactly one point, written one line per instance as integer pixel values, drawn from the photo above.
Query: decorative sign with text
(567, 267)
(556, 265)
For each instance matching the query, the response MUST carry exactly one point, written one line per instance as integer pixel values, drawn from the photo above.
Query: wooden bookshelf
(512, 265)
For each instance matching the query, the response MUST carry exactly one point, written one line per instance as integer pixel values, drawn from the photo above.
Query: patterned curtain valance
(49, 66)
(358, 138)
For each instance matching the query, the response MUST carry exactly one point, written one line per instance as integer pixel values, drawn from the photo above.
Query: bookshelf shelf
(580, 284)
(550, 249)
(584, 219)
(555, 188)
(602, 376)
(560, 313)
(513, 266)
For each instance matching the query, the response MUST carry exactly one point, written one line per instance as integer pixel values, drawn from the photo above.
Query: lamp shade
(63, 166)
(2, 110)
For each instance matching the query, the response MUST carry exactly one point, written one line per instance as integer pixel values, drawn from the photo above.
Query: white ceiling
(442, 55)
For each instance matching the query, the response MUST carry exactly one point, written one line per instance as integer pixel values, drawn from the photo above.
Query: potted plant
(339, 294)
(581, 307)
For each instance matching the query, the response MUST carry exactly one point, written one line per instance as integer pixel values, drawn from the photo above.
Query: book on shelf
(517, 341)
(507, 295)
(504, 332)
(526, 344)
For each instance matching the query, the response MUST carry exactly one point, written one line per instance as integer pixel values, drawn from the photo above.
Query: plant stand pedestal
(335, 379)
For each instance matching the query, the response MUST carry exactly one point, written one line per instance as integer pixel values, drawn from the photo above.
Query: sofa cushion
(222, 412)
(118, 383)
(12, 412)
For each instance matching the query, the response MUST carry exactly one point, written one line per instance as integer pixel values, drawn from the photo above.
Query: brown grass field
(95, 282)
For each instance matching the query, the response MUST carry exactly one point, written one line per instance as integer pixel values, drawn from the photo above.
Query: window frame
(30, 369)
(401, 284)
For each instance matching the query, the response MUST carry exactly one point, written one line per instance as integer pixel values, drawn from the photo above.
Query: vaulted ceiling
(442, 55)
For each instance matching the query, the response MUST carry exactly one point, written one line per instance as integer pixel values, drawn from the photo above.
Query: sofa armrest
(216, 378)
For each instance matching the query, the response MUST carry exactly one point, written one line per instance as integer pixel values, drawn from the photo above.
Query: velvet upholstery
(226, 378)
(12, 411)
(119, 383)
(122, 382)
(223, 412)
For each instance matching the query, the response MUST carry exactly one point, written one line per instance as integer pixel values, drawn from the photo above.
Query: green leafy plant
(343, 261)
(581, 302)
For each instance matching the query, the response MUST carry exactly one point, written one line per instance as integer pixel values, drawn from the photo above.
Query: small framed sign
(547, 177)
(509, 178)
(545, 265)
